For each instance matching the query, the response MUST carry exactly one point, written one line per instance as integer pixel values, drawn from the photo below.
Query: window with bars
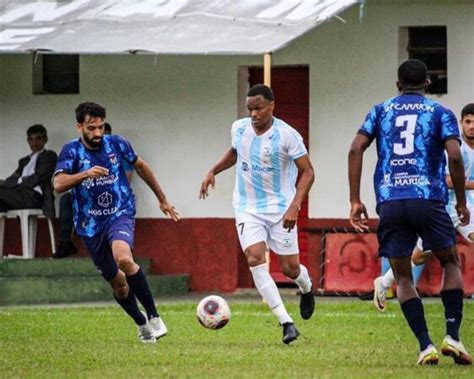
(429, 44)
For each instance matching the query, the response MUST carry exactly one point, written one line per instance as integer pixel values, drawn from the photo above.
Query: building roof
(160, 26)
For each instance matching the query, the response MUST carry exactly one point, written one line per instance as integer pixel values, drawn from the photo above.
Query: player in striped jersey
(268, 154)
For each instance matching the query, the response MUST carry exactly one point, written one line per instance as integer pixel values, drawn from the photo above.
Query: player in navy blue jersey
(91, 166)
(412, 133)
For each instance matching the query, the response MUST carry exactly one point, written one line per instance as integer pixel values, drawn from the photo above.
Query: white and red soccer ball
(213, 312)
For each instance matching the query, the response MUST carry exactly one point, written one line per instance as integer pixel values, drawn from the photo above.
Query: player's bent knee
(254, 261)
(127, 265)
(291, 271)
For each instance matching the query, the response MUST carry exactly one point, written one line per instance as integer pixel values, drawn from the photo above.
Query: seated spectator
(66, 247)
(30, 185)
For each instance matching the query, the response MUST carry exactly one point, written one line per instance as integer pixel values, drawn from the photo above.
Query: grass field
(344, 339)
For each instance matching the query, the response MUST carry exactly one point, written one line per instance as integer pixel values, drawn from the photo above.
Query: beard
(95, 143)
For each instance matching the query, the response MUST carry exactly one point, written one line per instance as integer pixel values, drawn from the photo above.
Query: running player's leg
(285, 245)
(121, 239)
(412, 309)
(103, 259)
(384, 282)
(252, 235)
(452, 294)
(120, 236)
(397, 234)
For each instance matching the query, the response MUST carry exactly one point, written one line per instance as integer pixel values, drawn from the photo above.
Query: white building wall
(177, 111)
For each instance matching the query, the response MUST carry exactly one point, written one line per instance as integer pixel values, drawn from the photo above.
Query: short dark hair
(261, 89)
(412, 72)
(107, 128)
(468, 109)
(37, 129)
(91, 109)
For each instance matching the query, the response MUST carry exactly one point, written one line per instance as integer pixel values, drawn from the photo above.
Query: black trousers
(19, 198)
(66, 220)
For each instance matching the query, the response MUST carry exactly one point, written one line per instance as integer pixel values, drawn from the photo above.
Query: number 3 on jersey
(408, 134)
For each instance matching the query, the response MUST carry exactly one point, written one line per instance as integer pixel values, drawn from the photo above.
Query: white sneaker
(429, 356)
(145, 332)
(380, 294)
(158, 326)
(456, 350)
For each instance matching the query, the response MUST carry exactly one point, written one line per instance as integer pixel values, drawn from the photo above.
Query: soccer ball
(213, 312)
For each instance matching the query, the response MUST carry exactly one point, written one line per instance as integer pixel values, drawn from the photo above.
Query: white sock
(268, 290)
(303, 280)
(388, 279)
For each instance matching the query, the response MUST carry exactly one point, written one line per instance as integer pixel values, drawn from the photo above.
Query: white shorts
(462, 230)
(267, 228)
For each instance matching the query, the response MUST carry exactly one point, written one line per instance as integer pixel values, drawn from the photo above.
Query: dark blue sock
(453, 304)
(129, 304)
(415, 316)
(140, 288)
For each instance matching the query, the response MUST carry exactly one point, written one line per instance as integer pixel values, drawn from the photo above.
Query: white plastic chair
(29, 227)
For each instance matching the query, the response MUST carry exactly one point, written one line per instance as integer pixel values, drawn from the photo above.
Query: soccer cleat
(158, 326)
(307, 305)
(145, 332)
(290, 333)
(380, 294)
(456, 350)
(429, 356)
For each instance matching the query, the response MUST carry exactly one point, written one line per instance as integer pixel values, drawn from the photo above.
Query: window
(429, 44)
(55, 74)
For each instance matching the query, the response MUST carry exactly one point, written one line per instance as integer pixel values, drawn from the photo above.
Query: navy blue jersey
(410, 131)
(97, 202)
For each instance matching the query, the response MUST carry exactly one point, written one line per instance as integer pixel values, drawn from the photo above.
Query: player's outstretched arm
(358, 216)
(144, 171)
(63, 182)
(304, 185)
(227, 161)
(456, 171)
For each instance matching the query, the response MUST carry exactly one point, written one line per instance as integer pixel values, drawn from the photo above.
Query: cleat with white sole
(158, 326)
(429, 356)
(456, 350)
(145, 332)
(380, 294)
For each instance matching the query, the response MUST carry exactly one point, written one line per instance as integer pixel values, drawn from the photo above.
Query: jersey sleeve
(296, 147)
(65, 161)
(127, 166)
(449, 126)
(126, 150)
(369, 125)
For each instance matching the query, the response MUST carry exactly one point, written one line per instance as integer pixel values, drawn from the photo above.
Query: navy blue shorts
(99, 246)
(402, 221)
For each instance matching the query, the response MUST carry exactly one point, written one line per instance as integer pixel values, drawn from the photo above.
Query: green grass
(343, 339)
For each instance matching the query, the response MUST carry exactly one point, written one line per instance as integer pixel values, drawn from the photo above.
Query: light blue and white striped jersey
(266, 172)
(468, 157)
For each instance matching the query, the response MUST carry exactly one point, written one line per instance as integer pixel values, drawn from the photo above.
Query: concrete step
(49, 290)
(53, 268)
